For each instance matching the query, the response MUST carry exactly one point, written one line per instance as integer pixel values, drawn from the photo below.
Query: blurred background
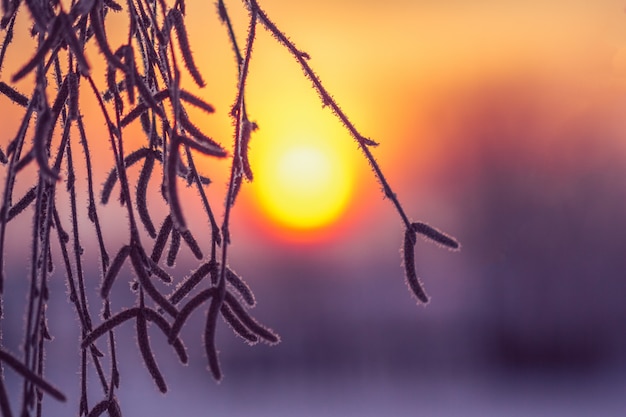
(501, 123)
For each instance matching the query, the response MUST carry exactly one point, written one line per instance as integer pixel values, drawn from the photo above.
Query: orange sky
(406, 72)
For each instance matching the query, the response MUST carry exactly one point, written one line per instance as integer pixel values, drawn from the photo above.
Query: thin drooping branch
(233, 187)
(31, 327)
(92, 207)
(327, 99)
(16, 144)
(240, 119)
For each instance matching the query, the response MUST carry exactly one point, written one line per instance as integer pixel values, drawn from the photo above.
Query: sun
(303, 185)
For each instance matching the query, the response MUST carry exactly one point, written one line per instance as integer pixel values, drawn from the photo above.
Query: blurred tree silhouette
(143, 86)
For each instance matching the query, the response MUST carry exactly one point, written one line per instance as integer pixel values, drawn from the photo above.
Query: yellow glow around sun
(303, 185)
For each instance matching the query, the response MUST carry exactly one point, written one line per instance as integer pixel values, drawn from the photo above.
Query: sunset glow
(302, 185)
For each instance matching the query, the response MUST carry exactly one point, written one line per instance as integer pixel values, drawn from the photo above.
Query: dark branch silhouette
(142, 79)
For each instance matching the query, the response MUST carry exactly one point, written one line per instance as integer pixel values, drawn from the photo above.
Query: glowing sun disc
(303, 186)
